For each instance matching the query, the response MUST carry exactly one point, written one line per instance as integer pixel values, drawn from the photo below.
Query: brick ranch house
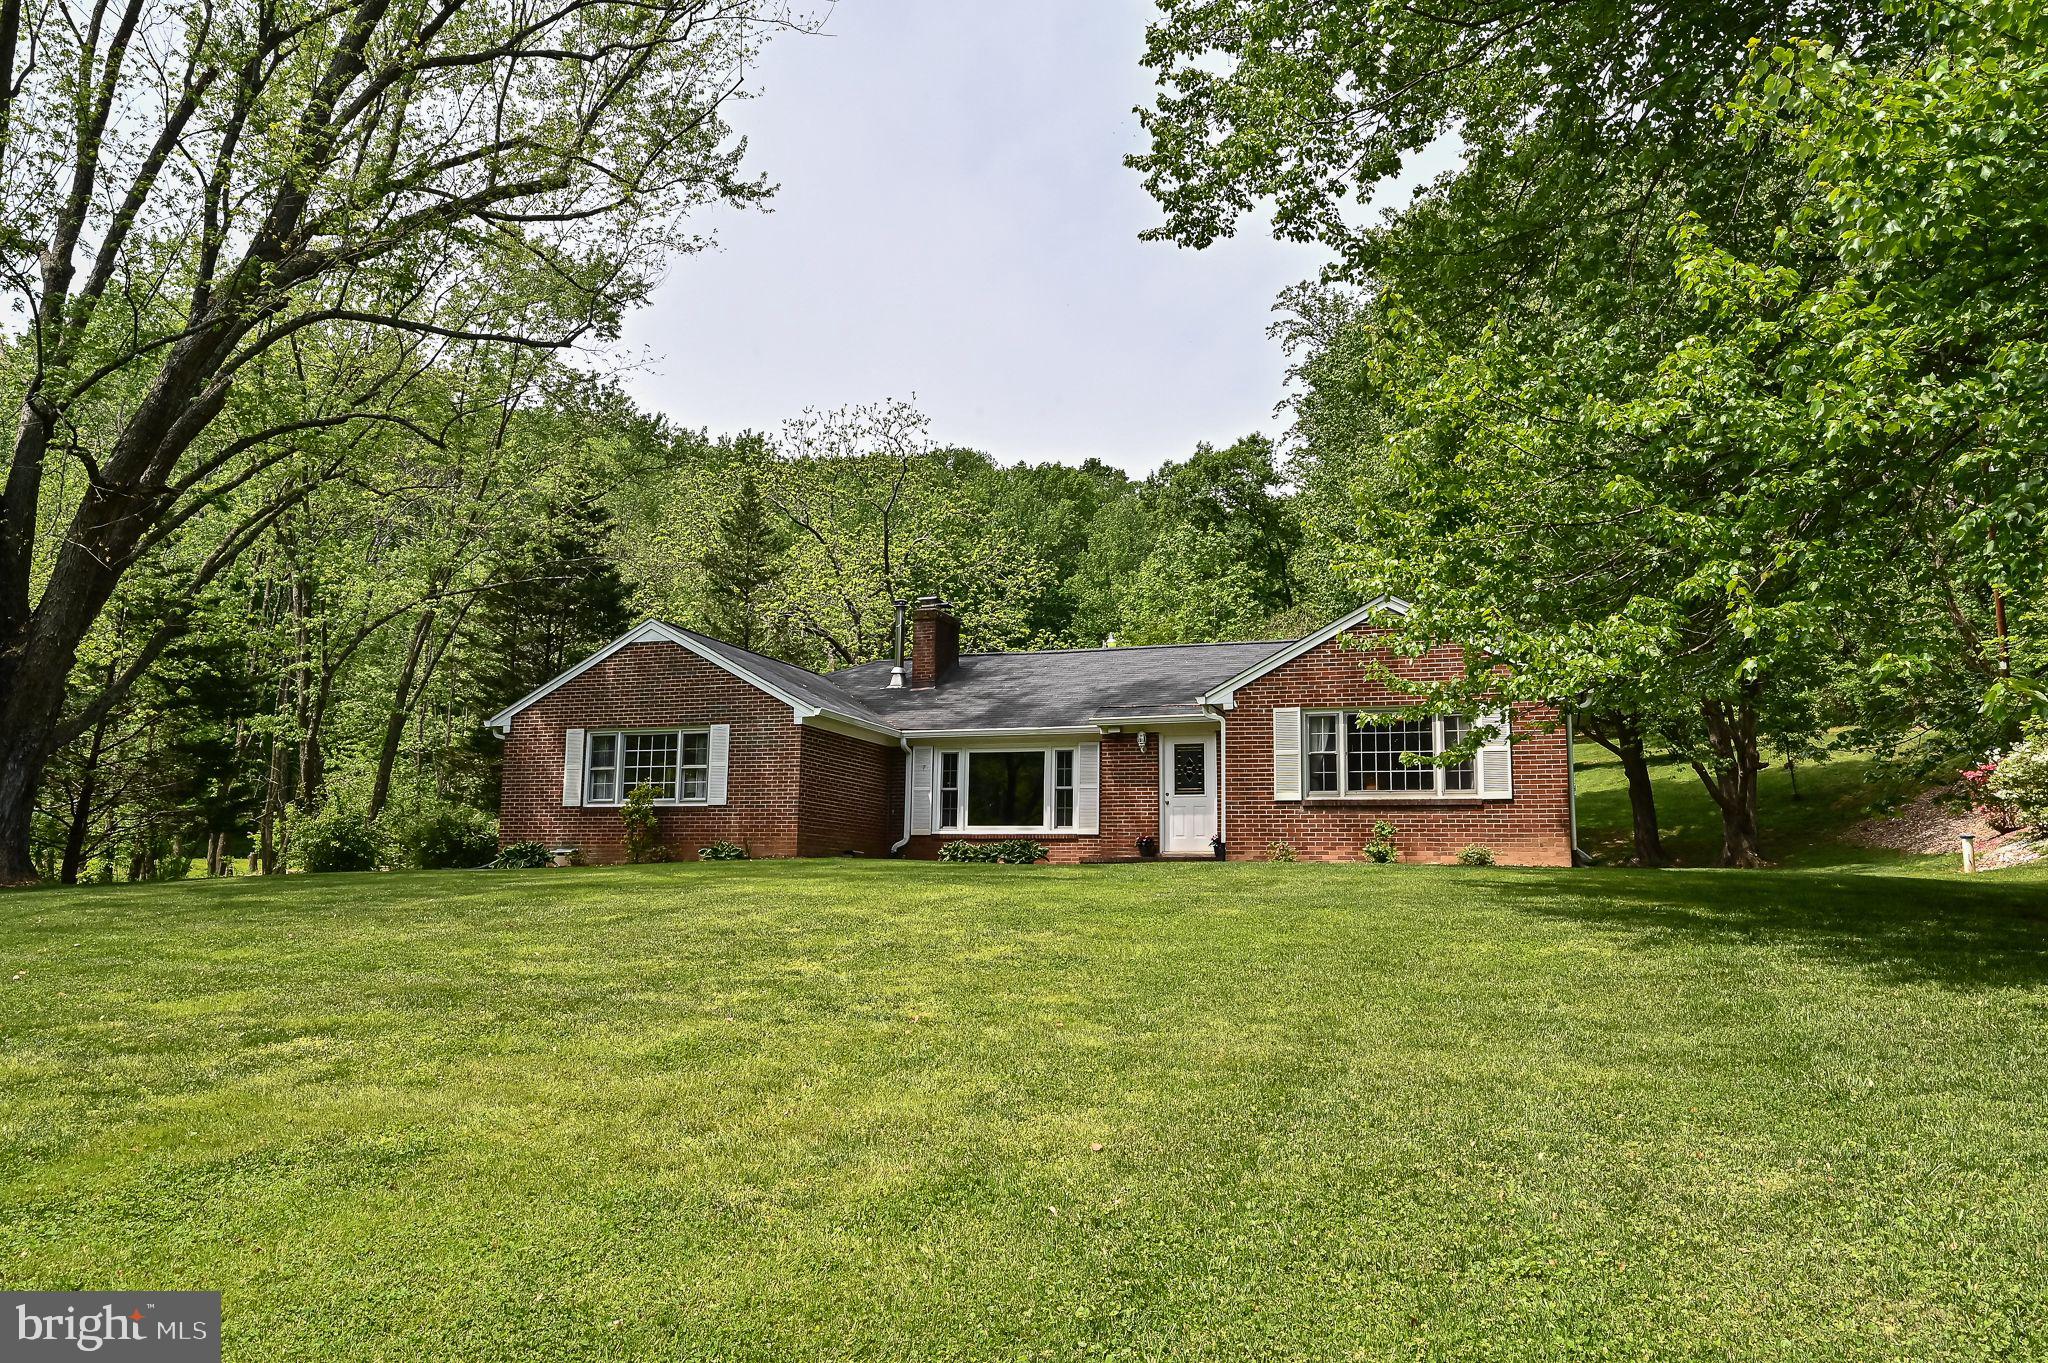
(1086, 750)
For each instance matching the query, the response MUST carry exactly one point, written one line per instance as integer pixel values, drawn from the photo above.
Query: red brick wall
(1533, 829)
(1129, 808)
(850, 795)
(653, 685)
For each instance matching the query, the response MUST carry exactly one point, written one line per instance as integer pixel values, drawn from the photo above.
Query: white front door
(1187, 795)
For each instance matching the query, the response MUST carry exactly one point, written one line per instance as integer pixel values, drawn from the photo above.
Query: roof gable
(804, 698)
(1226, 693)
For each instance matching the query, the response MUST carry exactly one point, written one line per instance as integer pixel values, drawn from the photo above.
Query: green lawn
(852, 1110)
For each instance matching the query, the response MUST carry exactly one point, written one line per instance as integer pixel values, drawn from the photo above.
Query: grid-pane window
(1322, 754)
(1006, 789)
(649, 760)
(1375, 748)
(696, 766)
(1063, 788)
(949, 790)
(603, 787)
(1456, 729)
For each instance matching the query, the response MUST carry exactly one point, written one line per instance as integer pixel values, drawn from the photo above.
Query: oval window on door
(1190, 770)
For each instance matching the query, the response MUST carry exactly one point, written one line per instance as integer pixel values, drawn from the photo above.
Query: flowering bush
(2020, 778)
(1975, 785)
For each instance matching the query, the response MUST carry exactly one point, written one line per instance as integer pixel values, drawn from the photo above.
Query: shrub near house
(1088, 752)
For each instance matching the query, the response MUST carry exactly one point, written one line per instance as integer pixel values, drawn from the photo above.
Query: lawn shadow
(1960, 935)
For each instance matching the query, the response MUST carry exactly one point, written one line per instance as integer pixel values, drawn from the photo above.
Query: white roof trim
(1226, 694)
(654, 631)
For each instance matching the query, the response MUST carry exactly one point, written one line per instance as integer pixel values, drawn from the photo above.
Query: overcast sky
(955, 226)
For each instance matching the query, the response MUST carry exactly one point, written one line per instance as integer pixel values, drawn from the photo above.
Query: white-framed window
(1368, 762)
(1005, 790)
(676, 762)
(949, 790)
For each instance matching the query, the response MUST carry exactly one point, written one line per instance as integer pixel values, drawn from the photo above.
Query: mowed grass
(852, 1110)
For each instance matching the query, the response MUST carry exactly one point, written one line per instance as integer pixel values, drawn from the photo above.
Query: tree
(742, 561)
(215, 206)
(1476, 397)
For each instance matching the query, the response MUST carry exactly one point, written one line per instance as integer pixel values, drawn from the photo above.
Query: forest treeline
(354, 649)
(1706, 391)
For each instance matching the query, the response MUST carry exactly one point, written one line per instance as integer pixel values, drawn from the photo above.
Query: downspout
(1571, 792)
(896, 849)
(1222, 770)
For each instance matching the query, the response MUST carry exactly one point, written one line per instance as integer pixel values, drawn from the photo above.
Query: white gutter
(1004, 733)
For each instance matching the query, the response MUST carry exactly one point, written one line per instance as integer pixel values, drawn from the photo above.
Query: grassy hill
(1806, 816)
(831, 1109)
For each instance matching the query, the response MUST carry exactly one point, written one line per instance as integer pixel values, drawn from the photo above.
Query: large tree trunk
(30, 700)
(1622, 735)
(1731, 779)
(1642, 805)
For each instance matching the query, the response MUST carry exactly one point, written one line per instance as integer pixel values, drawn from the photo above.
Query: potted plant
(1148, 846)
(1216, 846)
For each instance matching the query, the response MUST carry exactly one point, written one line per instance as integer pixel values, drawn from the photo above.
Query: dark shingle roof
(1054, 688)
(805, 685)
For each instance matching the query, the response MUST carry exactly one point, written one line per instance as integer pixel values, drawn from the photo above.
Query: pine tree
(744, 559)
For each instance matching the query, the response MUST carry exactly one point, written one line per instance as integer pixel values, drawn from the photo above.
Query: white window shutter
(920, 789)
(572, 768)
(1287, 752)
(721, 748)
(1496, 759)
(1088, 788)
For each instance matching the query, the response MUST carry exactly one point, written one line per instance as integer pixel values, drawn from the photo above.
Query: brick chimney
(934, 641)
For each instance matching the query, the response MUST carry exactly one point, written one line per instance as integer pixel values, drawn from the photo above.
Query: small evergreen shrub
(1473, 854)
(722, 851)
(2021, 780)
(523, 856)
(1381, 849)
(1008, 851)
(439, 834)
(339, 837)
(1281, 851)
(643, 826)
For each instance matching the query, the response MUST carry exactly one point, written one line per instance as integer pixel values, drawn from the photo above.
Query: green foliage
(1473, 854)
(339, 837)
(434, 834)
(722, 851)
(2021, 780)
(643, 825)
(1006, 851)
(523, 856)
(1281, 851)
(1381, 847)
